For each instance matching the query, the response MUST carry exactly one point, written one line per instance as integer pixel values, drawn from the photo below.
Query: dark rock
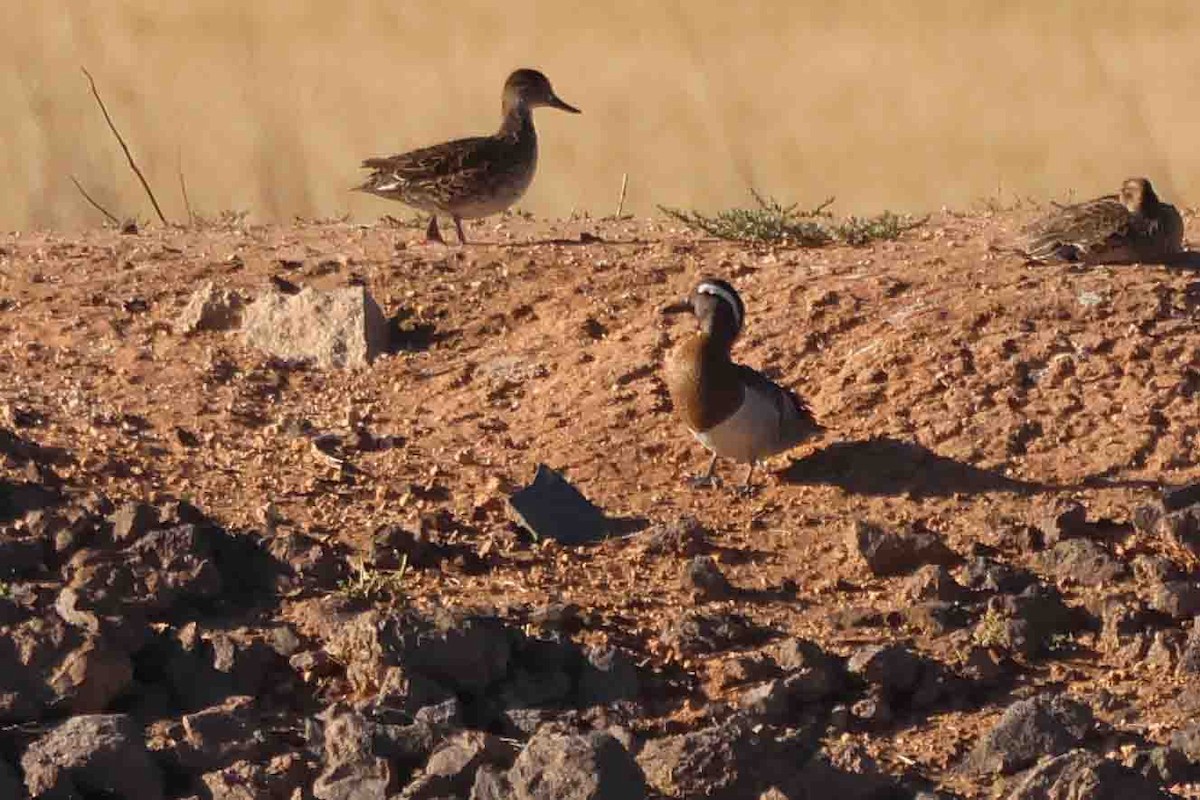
(735, 758)
(1126, 632)
(452, 768)
(351, 769)
(704, 579)
(1182, 529)
(557, 617)
(551, 508)
(92, 676)
(309, 562)
(467, 655)
(695, 632)
(132, 520)
(1166, 765)
(609, 675)
(1028, 730)
(936, 616)
(94, 755)
(223, 734)
(1062, 520)
(933, 582)
(594, 766)
(1155, 569)
(491, 784)
(894, 668)
(1030, 622)
(1187, 741)
(1181, 497)
(845, 772)
(852, 617)
(896, 552)
(987, 575)
(1083, 775)
(1176, 599)
(446, 714)
(1083, 562)
(1189, 656)
(812, 674)
(683, 537)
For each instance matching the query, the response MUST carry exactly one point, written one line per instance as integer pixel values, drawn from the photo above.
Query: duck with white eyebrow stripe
(735, 411)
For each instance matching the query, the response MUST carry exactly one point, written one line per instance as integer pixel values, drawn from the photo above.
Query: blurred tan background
(269, 105)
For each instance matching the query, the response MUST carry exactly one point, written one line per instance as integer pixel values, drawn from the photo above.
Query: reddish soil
(961, 390)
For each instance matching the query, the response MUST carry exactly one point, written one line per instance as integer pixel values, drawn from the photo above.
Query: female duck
(475, 177)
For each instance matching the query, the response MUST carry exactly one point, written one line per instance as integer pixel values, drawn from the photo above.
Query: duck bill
(680, 307)
(559, 103)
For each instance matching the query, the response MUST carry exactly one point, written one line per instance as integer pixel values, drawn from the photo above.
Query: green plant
(772, 222)
(992, 630)
(372, 584)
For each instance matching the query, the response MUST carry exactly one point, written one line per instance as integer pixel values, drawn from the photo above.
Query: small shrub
(771, 222)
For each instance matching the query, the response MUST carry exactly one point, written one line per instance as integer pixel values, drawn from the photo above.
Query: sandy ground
(962, 390)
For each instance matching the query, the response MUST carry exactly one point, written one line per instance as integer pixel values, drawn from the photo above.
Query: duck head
(717, 307)
(1138, 195)
(528, 89)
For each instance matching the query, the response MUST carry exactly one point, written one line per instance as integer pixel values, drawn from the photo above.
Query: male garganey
(1130, 227)
(475, 177)
(735, 411)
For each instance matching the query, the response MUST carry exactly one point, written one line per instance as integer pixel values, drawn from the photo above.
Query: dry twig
(95, 205)
(129, 156)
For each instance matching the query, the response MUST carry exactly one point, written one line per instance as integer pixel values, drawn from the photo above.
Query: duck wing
(445, 170)
(1094, 231)
(796, 420)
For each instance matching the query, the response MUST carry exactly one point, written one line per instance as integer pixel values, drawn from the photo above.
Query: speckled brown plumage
(474, 177)
(1133, 226)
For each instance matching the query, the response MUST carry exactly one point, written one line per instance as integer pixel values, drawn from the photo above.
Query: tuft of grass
(772, 222)
(372, 585)
(992, 630)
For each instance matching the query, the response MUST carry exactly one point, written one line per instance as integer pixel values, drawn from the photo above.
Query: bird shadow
(885, 466)
(1188, 259)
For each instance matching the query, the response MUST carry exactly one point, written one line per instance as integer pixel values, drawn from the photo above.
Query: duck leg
(708, 479)
(462, 239)
(432, 234)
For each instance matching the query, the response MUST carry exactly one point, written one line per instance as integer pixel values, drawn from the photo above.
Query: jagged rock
(1082, 561)
(594, 766)
(1165, 765)
(934, 582)
(451, 769)
(695, 632)
(704, 579)
(987, 575)
(607, 676)
(896, 552)
(223, 734)
(1176, 599)
(730, 760)
(1125, 633)
(491, 784)
(337, 328)
(92, 755)
(684, 537)
(1189, 656)
(350, 769)
(132, 520)
(210, 309)
(1031, 621)
(1062, 519)
(1028, 730)
(1083, 775)
(92, 676)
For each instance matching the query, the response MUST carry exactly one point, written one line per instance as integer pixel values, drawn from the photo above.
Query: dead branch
(187, 203)
(95, 205)
(129, 156)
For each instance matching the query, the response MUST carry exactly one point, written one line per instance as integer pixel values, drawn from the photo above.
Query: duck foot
(458, 228)
(745, 491)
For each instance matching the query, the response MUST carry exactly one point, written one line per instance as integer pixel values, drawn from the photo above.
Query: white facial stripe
(721, 292)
